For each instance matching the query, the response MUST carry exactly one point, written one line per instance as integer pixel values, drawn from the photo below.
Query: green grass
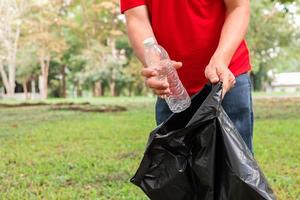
(277, 94)
(72, 155)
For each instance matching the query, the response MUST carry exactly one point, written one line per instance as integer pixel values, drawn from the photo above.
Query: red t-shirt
(190, 31)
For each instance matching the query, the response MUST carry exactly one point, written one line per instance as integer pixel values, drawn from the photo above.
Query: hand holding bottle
(159, 87)
(164, 78)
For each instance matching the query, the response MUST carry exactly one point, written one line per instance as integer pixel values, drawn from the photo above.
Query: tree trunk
(112, 86)
(5, 81)
(94, 90)
(25, 89)
(112, 42)
(63, 92)
(79, 92)
(102, 90)
(33, 90)
(97, 89)
(12, 62)
(258, 79)
(12, 77)
(44, 62)
(78, 89)
(130, 87)
(11, 12)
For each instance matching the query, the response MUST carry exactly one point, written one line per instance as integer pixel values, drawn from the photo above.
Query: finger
(148, 72)
(176, 65)
(232, 81)
(155, 84)
(227, 83)
(162, 96)
(211, 75)
(164, 93)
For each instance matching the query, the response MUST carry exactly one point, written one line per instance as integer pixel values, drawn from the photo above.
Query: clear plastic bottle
(157, 58)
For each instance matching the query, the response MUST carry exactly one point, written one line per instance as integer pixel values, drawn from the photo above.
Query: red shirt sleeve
(127, 4)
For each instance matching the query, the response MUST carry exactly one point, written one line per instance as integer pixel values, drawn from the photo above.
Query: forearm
(138, 28)
(234, 29)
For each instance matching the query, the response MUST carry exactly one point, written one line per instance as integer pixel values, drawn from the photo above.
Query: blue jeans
(237, 103)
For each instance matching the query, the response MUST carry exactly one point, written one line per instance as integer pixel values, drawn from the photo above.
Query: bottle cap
(149, 41)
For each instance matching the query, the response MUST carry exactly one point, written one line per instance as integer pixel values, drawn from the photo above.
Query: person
(205, 40)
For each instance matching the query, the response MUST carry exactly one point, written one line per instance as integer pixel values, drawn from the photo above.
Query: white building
(286, 82)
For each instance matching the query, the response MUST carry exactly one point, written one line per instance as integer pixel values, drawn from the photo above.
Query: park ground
(47, 154)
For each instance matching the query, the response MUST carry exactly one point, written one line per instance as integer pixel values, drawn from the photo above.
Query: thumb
(177, 65)
(211, 75)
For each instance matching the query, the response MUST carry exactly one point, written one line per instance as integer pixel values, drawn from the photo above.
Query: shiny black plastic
(199, 155)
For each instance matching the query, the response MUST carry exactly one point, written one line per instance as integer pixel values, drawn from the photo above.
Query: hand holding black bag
(199, 155)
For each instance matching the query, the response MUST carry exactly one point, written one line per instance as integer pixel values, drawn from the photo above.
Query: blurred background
(75, 113)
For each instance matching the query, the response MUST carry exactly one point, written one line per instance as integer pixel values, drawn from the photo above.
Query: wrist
(222, 56)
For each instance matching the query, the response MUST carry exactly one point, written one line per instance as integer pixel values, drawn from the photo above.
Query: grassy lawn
(48, 154)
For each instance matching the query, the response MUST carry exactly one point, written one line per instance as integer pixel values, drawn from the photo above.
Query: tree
(43, 26)
(11, 13)
(27, 67)
(270, 32)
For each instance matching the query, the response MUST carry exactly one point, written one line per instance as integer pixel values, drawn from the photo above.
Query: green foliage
(88, 38)
(272, 34)
(123, 44)
(27, 64)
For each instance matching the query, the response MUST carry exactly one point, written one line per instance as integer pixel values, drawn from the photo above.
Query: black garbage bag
(199, 155)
